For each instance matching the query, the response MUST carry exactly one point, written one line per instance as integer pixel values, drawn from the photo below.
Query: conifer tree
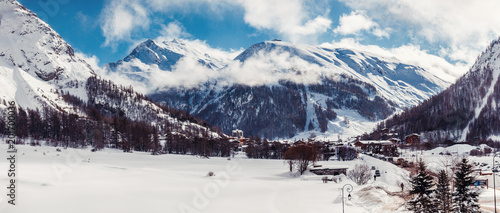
(423, 201)
(443, 193)
(464, 199)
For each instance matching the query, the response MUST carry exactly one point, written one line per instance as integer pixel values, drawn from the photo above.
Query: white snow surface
(75, 180)
(78, 180)
(338, 128)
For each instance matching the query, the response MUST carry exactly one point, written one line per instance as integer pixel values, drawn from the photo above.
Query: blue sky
(446, 35)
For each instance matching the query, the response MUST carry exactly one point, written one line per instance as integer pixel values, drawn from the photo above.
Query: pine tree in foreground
(423, 201)
(443, 193)
(464, 199)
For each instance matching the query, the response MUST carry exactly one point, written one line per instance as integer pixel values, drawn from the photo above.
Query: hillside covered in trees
(467, 111)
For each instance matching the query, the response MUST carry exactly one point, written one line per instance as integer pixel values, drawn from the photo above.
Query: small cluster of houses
(387, 147)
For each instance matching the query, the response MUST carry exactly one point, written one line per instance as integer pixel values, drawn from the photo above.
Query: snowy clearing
(75, 180)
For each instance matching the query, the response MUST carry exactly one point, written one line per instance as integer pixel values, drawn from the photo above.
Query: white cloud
(268, 68)
(464, 27)
(187, 72)
(382, 32)
(172, 30)
(410, 54)
(353, 23)
(121, 18)
(356, 22)
(93, 61)
(116, 77)
(292, 19)
(287, 17)
(264, 68)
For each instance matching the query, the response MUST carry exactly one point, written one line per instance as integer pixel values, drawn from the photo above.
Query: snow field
(76, 180)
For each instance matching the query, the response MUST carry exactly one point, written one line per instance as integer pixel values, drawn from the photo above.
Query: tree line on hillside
(278, 111)
(105, 121)
(444, 116)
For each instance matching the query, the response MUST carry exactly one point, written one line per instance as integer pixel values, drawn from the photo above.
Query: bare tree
(290, 155)
(360, 174)
(302, 156)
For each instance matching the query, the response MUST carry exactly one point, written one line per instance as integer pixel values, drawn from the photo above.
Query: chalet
(330, 170)
(395, 140)
(237, 133)
(237, 138)
(384, 131)
(386, 147)
(370, 145)
(412, 139)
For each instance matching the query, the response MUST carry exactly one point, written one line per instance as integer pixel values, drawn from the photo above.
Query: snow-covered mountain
(36, 64)
(278, 90)
(152, 55)
(467, 111)
(40, 71)
(404, 84)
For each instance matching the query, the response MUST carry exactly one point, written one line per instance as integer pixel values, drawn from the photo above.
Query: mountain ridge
(323, 81)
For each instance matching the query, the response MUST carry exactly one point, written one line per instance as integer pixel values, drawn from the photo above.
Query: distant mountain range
(304, 88)
(273, 89)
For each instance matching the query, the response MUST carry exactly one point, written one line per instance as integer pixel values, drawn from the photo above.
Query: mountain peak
(149, 43)
(35, 62)
(165, 55)
(177, 41)
(52, 59)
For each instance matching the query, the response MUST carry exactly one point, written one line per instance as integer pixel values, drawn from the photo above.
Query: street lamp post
(494, 189)
(349, 190)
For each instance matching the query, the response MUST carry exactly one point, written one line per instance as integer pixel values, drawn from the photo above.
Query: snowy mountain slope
(405, 84)
(277, 89)
(39, 71)
(36, 62)
(466, 111)
(152, 55)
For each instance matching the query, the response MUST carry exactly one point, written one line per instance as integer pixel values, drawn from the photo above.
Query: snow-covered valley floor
(76, 180)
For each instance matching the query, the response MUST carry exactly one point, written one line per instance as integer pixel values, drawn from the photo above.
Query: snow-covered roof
(384, 142)
(414, 134)
(331, 167)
